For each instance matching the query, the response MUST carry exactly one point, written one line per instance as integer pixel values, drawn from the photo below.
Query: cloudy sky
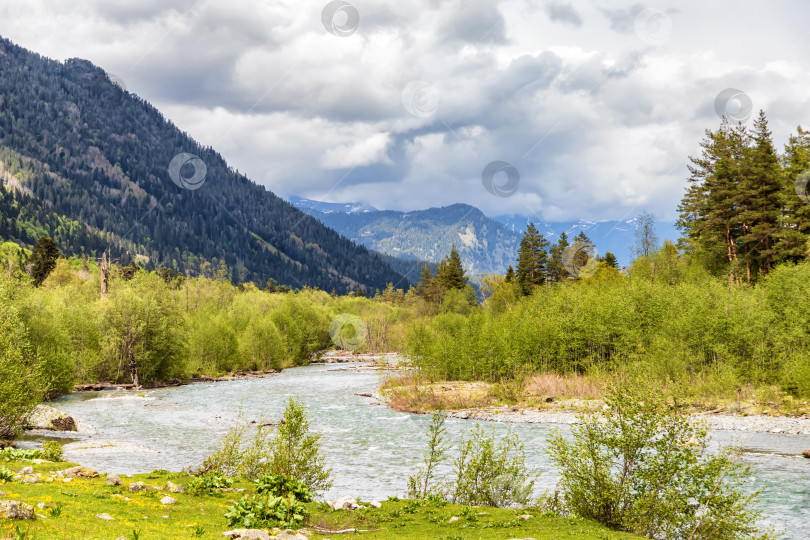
(594, 104)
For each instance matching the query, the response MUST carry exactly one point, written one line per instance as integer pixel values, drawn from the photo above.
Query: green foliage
(491, 473)
(296, 452)
(641, 468)
(208, 483)
(423, 484)
(257, 511)
(21, 383)
(667, 318)
(280, 485)
(142, 329)
(6, 475)
(43, 259)
(52, 451)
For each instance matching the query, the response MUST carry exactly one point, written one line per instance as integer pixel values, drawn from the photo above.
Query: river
(371, 448)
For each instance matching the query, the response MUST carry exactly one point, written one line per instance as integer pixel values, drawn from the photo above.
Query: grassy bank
(69, 512)
(412, 392)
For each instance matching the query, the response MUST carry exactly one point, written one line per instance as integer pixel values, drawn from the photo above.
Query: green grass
(71, 509)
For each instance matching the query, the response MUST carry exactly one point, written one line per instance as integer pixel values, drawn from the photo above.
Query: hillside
(87, 163)
(485, 246)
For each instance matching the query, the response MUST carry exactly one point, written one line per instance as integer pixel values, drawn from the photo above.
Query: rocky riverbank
(753, 423)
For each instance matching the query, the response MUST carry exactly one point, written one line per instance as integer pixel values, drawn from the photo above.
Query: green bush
(208, 483)
(642, 468)
(279, 485)
(6, 475)
(296, 452)
(266, 511)
(424, 484)
(488, 473)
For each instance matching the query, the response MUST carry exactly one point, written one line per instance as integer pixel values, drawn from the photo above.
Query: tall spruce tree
(759, 202)
(532, 260)
(555, 269)
(451, 273)
(795, 219)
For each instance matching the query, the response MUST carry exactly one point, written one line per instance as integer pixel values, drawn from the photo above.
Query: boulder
(376, 504)
(16, 510)
(137, 487)
(167, 500)
(64, 423)
(806, 453)
(105, 516)
(27, 470)
(80, 472)
(113, 480)
(171, 487)
(344, 503)
(46, 417)
(248, 534)
(453, 519)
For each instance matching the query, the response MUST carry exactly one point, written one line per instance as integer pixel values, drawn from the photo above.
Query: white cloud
(598, 122)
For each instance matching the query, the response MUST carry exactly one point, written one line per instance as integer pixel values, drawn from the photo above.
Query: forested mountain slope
(88, 163)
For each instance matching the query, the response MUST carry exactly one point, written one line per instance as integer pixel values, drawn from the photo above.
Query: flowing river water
(371, 448)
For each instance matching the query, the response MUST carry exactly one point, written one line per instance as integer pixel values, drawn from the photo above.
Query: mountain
(95, 167)
(485, 246)
(616, 236)
(329, 208)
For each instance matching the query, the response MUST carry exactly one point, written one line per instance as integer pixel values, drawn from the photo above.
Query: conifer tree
(43, 259)
(795, 219)
(510, 274)
(532, 260)
(759, 201)
(451, 273)
(556, 270)
(610, 260)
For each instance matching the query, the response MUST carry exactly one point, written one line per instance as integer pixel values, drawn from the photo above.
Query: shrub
(296, 452)
(52, 451)
(208, 483)
(423, 484)
(6, 475)
(489, 473)
(641, 468)
(263, 511)
(279, 485)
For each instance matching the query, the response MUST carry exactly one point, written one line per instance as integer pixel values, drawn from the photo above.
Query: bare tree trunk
(105, 275)
(133, 367)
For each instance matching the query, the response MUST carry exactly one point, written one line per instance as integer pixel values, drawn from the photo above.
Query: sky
(558, 109)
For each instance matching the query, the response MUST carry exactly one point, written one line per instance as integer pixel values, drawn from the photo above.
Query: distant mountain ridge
(485, 244)
(87, 163)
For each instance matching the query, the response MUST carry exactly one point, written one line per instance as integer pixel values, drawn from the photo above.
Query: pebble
(105, 516)
(453, 519)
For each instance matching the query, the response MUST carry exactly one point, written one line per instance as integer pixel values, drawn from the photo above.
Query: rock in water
(16, 510)
(171, 487)
(64, 423)
(80, 472)
(806, 454)
(113, 480)
(247, 534)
